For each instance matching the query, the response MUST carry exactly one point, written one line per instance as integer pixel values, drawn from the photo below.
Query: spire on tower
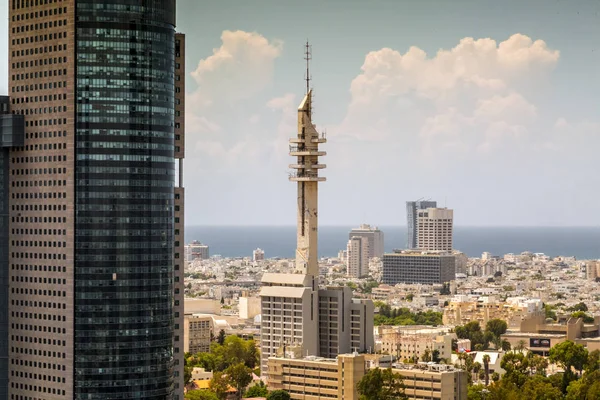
(307, 57)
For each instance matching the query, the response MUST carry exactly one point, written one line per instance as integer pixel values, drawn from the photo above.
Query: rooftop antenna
(307, 57)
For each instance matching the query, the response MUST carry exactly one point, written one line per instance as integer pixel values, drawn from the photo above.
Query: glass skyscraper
(412, 208)
(95, 206)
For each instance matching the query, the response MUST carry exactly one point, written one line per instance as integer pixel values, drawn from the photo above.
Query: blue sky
(503, 127)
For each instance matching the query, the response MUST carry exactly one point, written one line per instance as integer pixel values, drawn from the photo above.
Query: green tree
(496, 326)
(581, 306)
(410, 297)
(219, 385)
(239, 376)
(187, 374)
(586, 388)
(593, 362)
(278, 395)
(569, 355)
(426, 355)
(505, 345)
(540, 388)
(258, 390)
(378, 384)
(435, 356)
(486, 368)
(221, 337)
(200, 395)
(515, 365)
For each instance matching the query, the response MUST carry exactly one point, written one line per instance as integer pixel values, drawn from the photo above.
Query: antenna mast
(307, 57)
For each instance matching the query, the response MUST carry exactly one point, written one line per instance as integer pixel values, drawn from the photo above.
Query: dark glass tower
(95, 203)
(124, 199)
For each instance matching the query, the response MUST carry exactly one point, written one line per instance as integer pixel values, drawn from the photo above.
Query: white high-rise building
(258, 255)
(357, 257)
(373, 235)
(196, 251)
(435, 229)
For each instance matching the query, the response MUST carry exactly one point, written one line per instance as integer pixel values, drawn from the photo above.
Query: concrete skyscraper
(95, 256)
(412, 208)
(435, 229)
(357, 257)
(292, 304)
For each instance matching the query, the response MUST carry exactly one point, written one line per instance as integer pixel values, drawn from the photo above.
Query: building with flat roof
(311, 378)
(357, 257)
(196, 251)
(415, 266)
(435, 229)
(374, 237)
(412, 209)
(197, 333)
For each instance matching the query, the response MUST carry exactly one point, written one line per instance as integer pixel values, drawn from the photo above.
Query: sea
(280, 241)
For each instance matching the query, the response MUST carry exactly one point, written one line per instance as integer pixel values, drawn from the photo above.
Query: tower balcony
(319, 140)
(307, 153)
(304, 166)
(302, 176)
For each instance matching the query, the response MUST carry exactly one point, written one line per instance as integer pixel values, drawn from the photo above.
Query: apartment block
(197, 333)
(408, 342)
(311, 378)
(258, 255)
(434, 229)
(196, 251)
(357, 257)
(374, 237)
(412, 209)
(414, 266)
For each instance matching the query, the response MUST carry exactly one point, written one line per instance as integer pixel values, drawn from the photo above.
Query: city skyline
(519, 131)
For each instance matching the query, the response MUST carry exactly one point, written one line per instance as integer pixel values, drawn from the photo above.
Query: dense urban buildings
(95, 203)
(434, 229)
(295, 312)
(415, 266)
(357, 257)
(373, 235)
(412, 209)
(196, 251)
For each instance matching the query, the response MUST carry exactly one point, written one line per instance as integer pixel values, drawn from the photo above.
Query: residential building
(357, 259)
(336, 378)
(434, 230)
(196, 251)
(249, 307)
(414, 266)
(408, 342)
(463, 309)
(412, 209)
(197, 333)
(374, 237)
(95, 202)
(258, 255)
(592, 270)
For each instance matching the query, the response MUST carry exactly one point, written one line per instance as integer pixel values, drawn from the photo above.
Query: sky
(488, 107)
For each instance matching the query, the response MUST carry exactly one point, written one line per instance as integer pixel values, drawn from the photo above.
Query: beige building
(592, 270)
(357, 257)
(197, 332)
(196, 251)
(463, 309)
(249, 307)
(407, 342)
(258, 255)
(435, 229)
(313, 378)
(374, 238)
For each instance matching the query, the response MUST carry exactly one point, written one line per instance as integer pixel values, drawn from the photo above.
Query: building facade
(357, 257)
(258, 255)
(374, 237)
(197, 333)
(412, 208)
(336, 378)
(196, 251)
(413, 266)
(434, 231)
(95, 201)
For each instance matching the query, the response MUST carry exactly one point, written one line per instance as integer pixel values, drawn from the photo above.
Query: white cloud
(240, 68)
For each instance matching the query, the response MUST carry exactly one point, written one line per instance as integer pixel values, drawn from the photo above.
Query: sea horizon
(582, 242)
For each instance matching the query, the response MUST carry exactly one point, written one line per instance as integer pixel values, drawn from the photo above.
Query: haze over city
(492, 107)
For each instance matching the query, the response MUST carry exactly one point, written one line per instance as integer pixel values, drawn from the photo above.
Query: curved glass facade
(124, 199)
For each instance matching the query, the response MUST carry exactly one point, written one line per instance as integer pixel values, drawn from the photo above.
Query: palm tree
(486, 367)
(520, 345)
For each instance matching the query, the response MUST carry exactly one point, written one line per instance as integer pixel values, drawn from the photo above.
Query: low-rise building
(416, 266)
(412, 342)
(326, 378)
(463, 309)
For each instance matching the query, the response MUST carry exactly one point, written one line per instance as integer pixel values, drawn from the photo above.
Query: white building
(435, 227)
(258, 255)
(249, 307)
(357, 257)
(374, 237)
(196, 251)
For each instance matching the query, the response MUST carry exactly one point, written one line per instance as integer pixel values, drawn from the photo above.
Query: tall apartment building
(196, 251)
(95, 203)
(414, 266)
(592, 270)
(198, 333)
(357, 257)
(307, 378)
(374, 237)
(434, 230)
(258, 255)
(291, 304)
(412, 209)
